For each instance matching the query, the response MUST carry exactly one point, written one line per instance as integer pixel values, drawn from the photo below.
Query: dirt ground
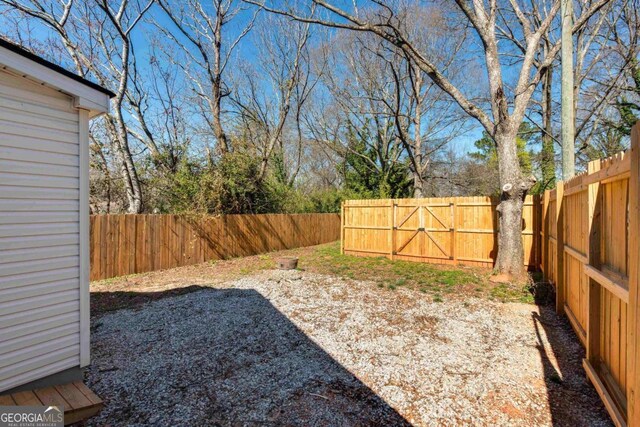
(439, 281)
(234, 344)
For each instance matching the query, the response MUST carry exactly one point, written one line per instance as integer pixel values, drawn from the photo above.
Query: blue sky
(246, 52)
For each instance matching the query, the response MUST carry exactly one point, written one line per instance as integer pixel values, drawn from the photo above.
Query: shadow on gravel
(104, 302)
(223, 357)
(571, 395)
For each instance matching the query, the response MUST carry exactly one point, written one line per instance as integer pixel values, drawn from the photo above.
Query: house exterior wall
(44, 318)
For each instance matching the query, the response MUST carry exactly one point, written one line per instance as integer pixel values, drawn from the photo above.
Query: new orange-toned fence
(126, 244)
(447, 230)
(590, 252)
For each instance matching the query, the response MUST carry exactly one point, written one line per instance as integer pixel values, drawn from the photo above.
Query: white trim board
(85, 97)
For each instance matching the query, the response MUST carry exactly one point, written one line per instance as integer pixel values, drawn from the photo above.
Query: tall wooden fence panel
(575, 248)
(548, 235)
(590, 253)
(127, 244)
(445, 230)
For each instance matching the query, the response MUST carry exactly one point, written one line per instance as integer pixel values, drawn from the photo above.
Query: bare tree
(265, 111)
(403, 119)
(356, 119)
(426, 119)
(201, 35)
(507, 106)
(97, 37)
(123, 19)
(159, 110)
(55, 15)
(599, 69)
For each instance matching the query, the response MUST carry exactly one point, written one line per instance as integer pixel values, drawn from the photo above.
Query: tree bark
(418, 186)
(567, 88)
(128, 170)
(547, 153)
(128, 167)
(221, 136)
(216, 112)
(418, 183)
(513, 187)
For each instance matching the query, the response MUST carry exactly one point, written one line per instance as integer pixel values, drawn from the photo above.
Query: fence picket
(595, 236)
(633, 256)
(128, 244)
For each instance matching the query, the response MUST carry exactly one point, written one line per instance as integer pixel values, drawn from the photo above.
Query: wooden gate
(428, 226)
(439, 230)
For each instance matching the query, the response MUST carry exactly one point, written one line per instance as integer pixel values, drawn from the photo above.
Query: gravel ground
(294, 348)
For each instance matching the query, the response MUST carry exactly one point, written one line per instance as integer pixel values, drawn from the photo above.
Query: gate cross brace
(415, 233)
(421, 228)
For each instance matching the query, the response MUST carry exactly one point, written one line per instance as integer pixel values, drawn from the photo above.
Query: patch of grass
(512, 292)
(454, 277)
(437, 298)
(436, 280)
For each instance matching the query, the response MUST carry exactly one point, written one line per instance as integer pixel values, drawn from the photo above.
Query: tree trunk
(121, 135)
(567, 88)
(418, 181)
(221, 136)
(513, 190)
(418, 186)
(132, 183)
(547, 154)
(128, 171)
(216, 112)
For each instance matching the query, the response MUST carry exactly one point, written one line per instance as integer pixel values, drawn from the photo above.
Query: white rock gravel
(293, 348)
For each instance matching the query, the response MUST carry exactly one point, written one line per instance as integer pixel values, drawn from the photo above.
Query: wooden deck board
(73, 396)
(78, 400)
(7, 400)
(88, 393)
(50, 397)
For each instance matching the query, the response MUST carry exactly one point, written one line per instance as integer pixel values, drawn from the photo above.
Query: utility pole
(568, 119)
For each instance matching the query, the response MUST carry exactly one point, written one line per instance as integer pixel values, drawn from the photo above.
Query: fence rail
(127, 244)
(589, 236)
(448, 230)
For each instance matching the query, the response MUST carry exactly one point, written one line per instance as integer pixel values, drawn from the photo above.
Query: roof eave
(86, 95)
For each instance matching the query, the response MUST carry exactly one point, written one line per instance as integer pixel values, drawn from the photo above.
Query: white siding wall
(39, 232)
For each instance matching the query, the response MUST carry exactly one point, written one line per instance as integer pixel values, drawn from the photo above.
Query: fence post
(633, 325)
(454, 235)
(593, 259)
(559, 213)
(342, 221)
(544, 264)
(536, 215)
(392, 226)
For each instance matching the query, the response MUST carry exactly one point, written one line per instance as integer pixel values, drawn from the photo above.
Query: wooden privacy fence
(590, 253)
(127, 244)
(446, 230)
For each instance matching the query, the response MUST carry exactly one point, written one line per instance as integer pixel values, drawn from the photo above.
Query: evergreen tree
(628, 106)
(486, 157)
(372, 173)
